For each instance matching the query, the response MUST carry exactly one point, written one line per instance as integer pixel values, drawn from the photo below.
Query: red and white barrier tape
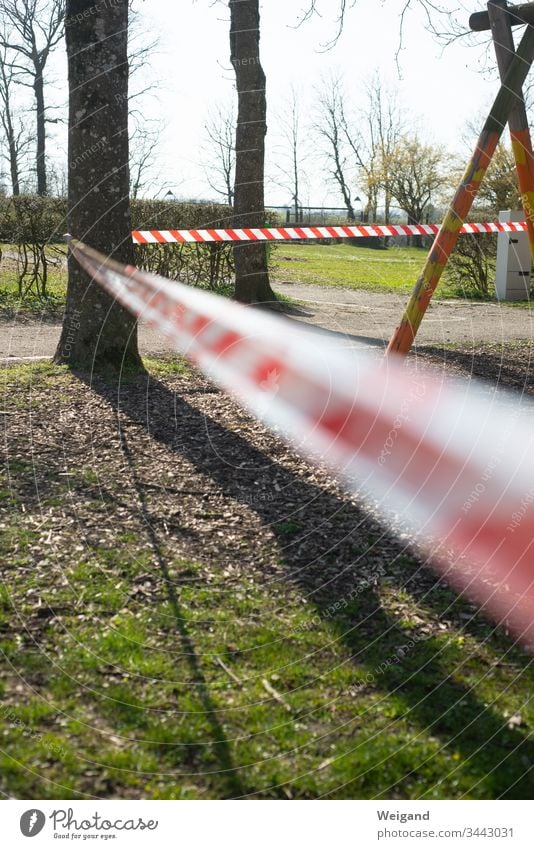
(277, 234)
(452, 463)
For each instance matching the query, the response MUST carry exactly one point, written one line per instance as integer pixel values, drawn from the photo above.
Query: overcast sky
(442, 88)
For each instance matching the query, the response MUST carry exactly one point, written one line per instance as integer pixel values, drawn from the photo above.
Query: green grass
(343, 265)
(352, 267)
(130, 670)
(140, 690)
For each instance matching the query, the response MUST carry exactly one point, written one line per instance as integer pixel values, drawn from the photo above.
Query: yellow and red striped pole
(503, 40)
(444, 243)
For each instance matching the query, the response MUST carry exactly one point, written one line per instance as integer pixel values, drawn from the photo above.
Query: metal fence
(313, 215)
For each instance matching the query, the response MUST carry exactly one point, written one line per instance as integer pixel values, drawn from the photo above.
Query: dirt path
(373, 316)
(35, 339)
(357, 317)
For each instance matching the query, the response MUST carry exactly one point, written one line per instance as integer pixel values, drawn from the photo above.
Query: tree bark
(296, 180)
(38, 87)
(14, 167)
(12, 147)
(416, 240)
(251, 268)
(6, 79)
(98, 333)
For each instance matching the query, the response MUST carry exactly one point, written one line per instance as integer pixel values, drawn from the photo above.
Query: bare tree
(145, 133)
(33, 29)
(360, 142)
(220, 129)
(371, 135)
(57, 179)
(144, 143)
(17, 140)
(291, 152)
(366, 154)
(141, 49)
(251, 269)
(98, 333)
(331, 128)
(384, 124)
(441, 19)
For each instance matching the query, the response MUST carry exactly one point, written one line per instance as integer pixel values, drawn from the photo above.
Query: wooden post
(518, 16)
(444, 243)
(503, 40)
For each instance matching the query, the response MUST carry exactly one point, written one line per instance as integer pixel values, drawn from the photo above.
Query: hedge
(207, 265)
(34, 223)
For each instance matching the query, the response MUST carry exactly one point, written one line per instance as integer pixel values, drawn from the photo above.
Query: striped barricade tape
(451, 463)
(278, 234)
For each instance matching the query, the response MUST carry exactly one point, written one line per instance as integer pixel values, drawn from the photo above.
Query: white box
(514, 261)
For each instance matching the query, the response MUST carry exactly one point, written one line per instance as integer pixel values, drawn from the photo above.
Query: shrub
(31, 223)
(471, 267)
(209, 265)
(29, 218)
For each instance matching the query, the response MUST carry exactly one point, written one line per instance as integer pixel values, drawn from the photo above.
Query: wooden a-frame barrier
(509, 106)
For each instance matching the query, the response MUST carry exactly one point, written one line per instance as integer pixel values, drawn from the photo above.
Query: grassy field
(395, 269)
(170, 628)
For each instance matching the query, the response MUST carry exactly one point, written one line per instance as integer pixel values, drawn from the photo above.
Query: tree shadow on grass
(226, 773)
(331, 529)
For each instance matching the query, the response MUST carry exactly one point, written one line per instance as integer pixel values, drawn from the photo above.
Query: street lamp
(359, 200)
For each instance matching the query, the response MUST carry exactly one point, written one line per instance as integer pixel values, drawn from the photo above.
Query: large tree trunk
(251, 270)
(387, 212)
(416, 240)
(98, 333)
(38, 87)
